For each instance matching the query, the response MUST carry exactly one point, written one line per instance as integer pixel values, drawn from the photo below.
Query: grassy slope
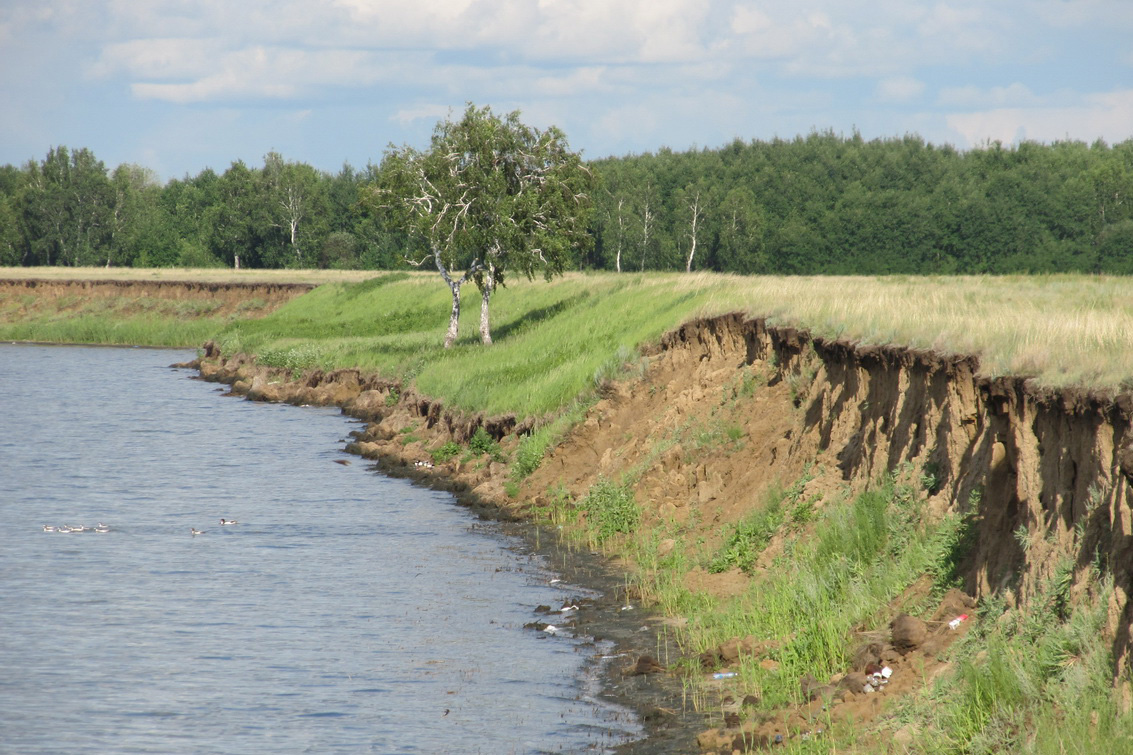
(552, 340)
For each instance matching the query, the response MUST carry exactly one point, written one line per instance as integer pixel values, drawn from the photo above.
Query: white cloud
(408, 115)
(256, 72)
(1013, 95)
(899, 89)
(1102, 115)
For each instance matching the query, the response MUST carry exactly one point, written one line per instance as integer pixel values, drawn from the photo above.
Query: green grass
(553, 342)
(823, 586)
(1038, 680)
(556, 341)
(112, 330)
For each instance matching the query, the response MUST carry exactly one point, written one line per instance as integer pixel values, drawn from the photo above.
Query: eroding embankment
(725, 407)
(1044, 475)
(160, 297)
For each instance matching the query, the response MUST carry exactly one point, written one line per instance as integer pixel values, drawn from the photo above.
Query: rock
(855, 682)
(812, 689)
(908, 633)
(646, 664)
(866, 656)
(665, 547)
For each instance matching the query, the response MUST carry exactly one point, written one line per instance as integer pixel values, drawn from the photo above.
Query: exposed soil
(22, 299)
(727, 407)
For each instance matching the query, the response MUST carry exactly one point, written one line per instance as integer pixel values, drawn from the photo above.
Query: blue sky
(181, 85)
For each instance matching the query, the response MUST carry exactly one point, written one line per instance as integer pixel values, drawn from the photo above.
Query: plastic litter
(724, 675)
(956, 622)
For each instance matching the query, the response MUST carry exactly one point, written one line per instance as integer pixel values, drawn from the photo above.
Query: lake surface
(346, 612)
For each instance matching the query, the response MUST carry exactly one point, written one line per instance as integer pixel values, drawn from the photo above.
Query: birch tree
(492, 197)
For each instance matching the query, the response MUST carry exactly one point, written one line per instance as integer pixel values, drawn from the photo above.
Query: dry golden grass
(1062, 330)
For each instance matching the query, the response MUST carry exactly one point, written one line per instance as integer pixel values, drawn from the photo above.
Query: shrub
(445, 452)
(610, 509)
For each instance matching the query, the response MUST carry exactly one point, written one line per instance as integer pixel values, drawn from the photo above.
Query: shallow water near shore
(347, 611)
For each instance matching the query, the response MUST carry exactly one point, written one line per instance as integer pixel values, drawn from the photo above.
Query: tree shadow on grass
(530, 319)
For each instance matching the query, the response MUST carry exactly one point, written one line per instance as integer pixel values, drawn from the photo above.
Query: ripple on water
(347, 611)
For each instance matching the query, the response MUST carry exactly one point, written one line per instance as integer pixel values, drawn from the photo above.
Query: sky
(178, 86)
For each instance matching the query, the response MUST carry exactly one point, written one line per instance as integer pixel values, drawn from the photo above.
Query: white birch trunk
(695, 207)
(485, 297)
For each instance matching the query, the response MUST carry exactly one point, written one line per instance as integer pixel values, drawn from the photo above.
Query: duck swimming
(229, 521)
(196, 531)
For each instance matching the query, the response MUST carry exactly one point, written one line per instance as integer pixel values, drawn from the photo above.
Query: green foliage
(446, 451)
(491, 196)
(610, 509)
(529, 454)
(751, 536)
(1037, 680)
(816, 204)
(481, 443)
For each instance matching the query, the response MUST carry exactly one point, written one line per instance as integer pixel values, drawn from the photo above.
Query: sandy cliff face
(140, 296)
(725, 407)
(1044, 475)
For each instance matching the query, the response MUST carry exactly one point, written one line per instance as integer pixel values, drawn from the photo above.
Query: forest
(816, 204)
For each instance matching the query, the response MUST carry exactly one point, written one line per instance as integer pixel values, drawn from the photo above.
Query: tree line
(820, 203)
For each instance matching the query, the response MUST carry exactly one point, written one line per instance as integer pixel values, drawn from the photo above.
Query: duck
(48, 528)
(229, 521)
(102, 527)
(196, 531)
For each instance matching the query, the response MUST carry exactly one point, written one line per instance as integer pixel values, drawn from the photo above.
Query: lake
(346, 611)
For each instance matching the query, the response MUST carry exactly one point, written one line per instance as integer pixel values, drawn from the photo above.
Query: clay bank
(724, 412)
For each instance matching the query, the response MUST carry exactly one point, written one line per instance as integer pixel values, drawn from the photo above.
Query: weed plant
(821, 590)
(752, 535)
(610, 509)
(1035, 681)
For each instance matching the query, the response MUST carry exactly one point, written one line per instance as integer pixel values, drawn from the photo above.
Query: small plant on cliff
(529, 455)
(445, 452)
(610, 509)
(751, 536)
(482, 443)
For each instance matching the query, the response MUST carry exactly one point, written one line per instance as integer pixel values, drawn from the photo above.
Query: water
(346, 611)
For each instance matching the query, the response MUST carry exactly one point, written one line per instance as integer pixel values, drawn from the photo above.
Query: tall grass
(826, 585)
(554, 341)
(1031, 681)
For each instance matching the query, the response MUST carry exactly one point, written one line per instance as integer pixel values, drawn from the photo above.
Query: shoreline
(670, 726)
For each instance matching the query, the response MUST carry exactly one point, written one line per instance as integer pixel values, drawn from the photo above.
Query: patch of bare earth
(23, 299)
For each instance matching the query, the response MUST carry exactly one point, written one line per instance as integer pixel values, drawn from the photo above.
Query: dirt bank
(726, 407)
(23, 298)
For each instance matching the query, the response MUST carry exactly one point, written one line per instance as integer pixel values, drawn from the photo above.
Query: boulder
(907, 633)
